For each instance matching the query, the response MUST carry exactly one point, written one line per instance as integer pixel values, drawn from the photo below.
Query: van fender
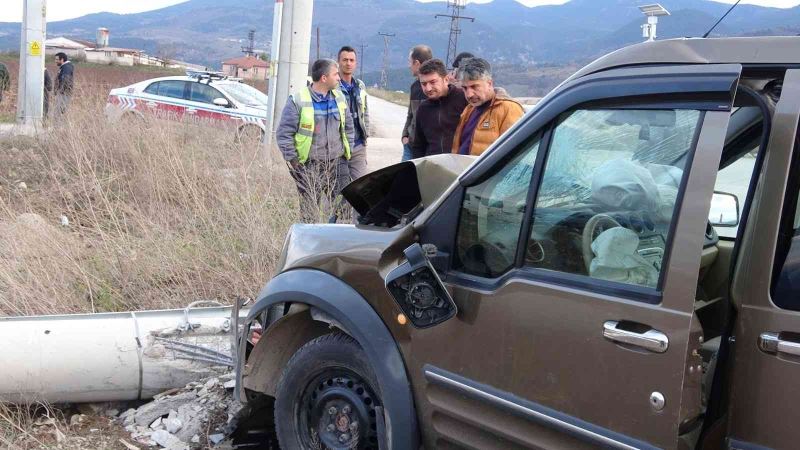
(337, 300)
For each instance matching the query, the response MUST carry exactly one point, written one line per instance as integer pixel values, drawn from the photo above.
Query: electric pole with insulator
(384, 70)
(454, 8)
(361, 61)
(250, 49)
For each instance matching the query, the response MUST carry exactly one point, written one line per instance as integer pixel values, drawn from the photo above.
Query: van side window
(608, 193)
(492, 214)
(786, 286)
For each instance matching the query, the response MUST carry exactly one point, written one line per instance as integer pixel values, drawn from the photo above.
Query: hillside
(505, 32)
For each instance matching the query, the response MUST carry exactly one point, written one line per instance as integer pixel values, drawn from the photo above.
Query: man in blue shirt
(355, 92)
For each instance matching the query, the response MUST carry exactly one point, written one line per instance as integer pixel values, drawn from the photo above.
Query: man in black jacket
(438, 116)
(65, 83)
(418, 56)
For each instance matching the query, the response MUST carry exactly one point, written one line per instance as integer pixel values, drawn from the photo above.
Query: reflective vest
(362, 105)
(305, 130)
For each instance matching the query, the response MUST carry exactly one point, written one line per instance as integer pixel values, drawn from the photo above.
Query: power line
(384, 75)
(454, 8)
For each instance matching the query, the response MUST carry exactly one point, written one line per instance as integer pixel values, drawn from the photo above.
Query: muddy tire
(327, 397)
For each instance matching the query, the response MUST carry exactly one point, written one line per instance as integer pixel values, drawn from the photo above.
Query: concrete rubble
(203, 414)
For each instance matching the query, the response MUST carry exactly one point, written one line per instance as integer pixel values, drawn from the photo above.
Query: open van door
(765, 392)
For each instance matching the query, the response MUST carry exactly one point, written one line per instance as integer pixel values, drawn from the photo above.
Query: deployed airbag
(617, 259)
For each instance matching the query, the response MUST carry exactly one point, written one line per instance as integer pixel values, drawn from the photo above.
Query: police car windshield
(244, 93)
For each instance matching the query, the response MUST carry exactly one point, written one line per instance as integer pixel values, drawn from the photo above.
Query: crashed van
(620, 270)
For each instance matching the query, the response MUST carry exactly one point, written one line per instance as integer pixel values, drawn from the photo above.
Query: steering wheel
(594, 226)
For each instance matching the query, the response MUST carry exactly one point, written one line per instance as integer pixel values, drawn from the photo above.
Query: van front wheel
(327, 397)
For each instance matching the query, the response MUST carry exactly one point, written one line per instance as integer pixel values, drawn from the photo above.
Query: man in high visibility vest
(315, 135)
(355, 91)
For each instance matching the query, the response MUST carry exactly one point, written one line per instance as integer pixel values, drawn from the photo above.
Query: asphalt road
(386, 119)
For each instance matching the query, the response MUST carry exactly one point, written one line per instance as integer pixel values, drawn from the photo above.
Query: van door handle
(652, 340)
(151, 104)
(191, 111)
(772, 343)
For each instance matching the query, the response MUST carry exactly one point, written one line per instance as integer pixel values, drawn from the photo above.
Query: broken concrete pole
(109, 356)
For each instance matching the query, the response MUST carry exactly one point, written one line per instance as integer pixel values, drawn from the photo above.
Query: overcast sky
(68, 9)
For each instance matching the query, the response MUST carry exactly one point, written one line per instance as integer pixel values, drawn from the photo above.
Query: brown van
(621, 269)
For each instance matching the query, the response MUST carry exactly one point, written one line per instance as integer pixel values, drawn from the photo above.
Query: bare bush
(155, 214)
(32, 425)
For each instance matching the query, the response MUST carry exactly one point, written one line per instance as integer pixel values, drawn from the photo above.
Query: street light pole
(30, 97)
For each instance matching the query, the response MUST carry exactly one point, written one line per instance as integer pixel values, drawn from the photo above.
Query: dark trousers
(319, 184)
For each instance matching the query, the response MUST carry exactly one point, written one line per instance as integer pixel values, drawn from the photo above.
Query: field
(97, 217)
(400, 98)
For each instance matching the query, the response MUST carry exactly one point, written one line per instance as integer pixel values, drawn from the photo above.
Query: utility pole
(317, 43)
(361, 60)
(250, 49)
(384, 74)
(454, 8)
(30, 103)
(293, 45)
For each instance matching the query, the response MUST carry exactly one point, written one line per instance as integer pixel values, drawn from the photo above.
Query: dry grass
(39, 426)
(399, 98)
(30, 426)
(160, 214)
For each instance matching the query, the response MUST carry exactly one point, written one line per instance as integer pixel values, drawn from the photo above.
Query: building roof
(114, 49)
(736, 50)
(62, 42)
(246, 62)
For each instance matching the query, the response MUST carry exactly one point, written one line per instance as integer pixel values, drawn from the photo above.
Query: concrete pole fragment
(30, 99)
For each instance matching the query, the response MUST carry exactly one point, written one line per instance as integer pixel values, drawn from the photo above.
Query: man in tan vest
(488, 114)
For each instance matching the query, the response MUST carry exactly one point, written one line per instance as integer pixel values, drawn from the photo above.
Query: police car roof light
(205, 75)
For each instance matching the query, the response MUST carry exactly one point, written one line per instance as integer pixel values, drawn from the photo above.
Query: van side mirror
(222, 102)
(418, 290)
(724, 210)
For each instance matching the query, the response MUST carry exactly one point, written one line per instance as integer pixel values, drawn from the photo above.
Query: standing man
(489, 113)
(355, 92)
(438, 116)
(315, 135)
(5, 80)
(48, 87)
(454, 78)
(418, 55)
(65, 83)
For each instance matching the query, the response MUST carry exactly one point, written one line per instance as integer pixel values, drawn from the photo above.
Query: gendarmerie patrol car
(206, 98)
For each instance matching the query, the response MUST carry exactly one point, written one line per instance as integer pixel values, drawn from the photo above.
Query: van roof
(736, 50)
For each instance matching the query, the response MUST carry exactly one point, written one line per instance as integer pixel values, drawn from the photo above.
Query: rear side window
(153, 88)
(171, 88)
(199, 92)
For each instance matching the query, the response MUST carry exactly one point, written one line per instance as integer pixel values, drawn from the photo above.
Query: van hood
(335, 248)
